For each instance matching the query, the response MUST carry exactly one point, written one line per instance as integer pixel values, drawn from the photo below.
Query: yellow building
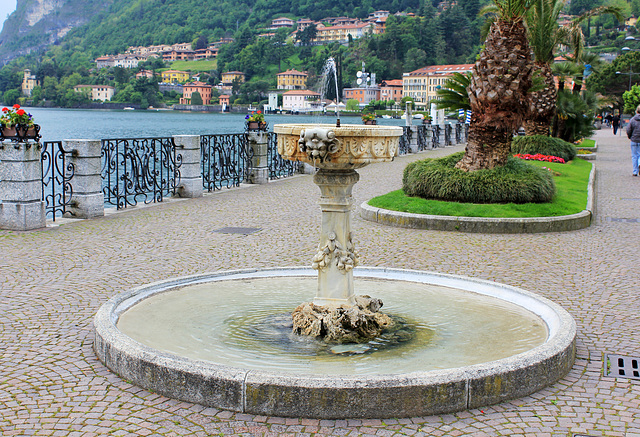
(422, 84)
(175, 76)
(341, 33)
(28, 83)
(230, 76)
(292, 80)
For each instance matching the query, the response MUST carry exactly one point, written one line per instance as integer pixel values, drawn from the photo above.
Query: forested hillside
(422, 35)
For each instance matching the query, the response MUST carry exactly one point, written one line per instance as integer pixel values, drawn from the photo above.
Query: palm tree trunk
(497, 95)
(542, 104)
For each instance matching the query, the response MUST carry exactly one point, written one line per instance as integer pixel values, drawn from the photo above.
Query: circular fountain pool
(221, 340)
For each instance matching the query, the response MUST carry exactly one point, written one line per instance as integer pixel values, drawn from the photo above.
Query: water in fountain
(328, 71)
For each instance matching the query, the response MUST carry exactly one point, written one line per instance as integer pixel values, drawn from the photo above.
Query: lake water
(63, 124)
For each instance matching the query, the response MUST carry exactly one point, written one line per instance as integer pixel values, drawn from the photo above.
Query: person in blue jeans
(633, 133)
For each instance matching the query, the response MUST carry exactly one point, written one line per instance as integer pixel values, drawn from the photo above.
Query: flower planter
(20, 133)
(370, 122)
(256, 125)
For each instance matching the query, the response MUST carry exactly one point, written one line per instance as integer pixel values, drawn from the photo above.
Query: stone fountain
(337, 314)
(209, 338)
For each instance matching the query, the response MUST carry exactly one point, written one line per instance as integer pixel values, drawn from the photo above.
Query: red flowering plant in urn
(255, 121)
(16, 124)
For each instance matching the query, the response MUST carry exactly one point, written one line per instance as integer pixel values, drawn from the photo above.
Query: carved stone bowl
(337, 148)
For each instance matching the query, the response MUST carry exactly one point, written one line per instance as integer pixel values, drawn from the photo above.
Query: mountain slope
(35, 24)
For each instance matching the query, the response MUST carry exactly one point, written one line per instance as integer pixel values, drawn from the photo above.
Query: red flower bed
(539, 157)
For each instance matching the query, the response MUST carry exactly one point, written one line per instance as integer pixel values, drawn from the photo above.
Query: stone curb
(485, 225)
(283, 394)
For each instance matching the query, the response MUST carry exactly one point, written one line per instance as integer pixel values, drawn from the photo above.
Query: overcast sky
(6, 7)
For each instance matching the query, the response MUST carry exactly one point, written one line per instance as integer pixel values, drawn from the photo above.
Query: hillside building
(341, 33)
(96, 92)
(228, 77)
(29, 82)
(363, 95)
(421, 85)
(175, 76)
(391, 90)
(292, 80)
(277, 23)
(300, 100)
(200, 87)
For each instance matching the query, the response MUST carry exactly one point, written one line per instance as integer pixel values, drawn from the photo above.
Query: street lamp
(627, 49)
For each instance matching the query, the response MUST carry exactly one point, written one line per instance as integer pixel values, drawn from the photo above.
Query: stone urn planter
(370, 122)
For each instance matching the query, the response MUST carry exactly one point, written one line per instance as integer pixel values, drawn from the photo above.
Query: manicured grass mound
(544, 145)
(515, 182)
(572, 181)
(587, 143)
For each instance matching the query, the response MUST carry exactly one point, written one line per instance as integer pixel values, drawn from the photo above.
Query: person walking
(615, 122)
(633, 133)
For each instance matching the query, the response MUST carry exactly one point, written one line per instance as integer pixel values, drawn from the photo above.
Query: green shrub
(515, 182)
(543, 144)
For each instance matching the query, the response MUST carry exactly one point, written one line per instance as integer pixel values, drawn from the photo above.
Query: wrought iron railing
(466, 133)
(435, 136)
(278, 167)
(447, 134)
(458, 133)
(405, 140)
(139, 169)
(57, 173)
(422, 137)
(225, 159)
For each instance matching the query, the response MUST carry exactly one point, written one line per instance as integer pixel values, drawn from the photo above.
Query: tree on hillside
(499, 84)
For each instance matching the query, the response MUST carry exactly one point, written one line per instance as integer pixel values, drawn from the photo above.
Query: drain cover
(619, 366)
(623, 220)
(241, 231)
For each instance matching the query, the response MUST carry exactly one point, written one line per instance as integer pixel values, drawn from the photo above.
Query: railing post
(21, 204)
(88, 199)
(259, 171)
(190, 170)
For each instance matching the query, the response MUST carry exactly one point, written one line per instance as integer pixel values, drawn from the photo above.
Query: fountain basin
(296, 394)
(349, 146)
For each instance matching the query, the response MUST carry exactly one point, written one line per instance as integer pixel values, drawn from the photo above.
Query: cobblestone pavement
(52, 282)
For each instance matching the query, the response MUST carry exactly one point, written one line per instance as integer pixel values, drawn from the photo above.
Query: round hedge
(516, 182)
(544, 144)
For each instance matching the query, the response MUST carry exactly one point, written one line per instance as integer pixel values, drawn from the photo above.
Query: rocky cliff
(35, 24)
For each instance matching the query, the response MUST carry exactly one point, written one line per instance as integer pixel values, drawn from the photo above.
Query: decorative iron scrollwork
(139, 169)
(57, 175)
(226, 160)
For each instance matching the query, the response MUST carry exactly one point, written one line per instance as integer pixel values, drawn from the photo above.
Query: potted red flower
(17, 125)
(256, 121)
(369, 118)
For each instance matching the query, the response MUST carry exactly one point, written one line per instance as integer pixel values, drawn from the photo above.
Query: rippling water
(61, 124)
(237, 323)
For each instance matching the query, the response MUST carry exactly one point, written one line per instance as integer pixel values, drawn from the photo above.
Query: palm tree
(499, 84)
(545, 35)
(454, 93)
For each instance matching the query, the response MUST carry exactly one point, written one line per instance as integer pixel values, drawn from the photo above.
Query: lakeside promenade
(52, 281)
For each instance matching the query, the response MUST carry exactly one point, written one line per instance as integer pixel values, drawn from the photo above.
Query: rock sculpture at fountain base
(343, 324)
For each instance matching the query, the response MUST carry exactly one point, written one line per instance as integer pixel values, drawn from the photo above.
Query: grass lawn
(571, 181)
(587, 143)
(200, 65)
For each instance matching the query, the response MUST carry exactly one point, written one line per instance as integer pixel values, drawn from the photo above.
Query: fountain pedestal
(336, 255)
(336, 313)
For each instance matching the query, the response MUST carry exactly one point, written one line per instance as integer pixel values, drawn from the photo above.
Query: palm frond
(453, 95)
